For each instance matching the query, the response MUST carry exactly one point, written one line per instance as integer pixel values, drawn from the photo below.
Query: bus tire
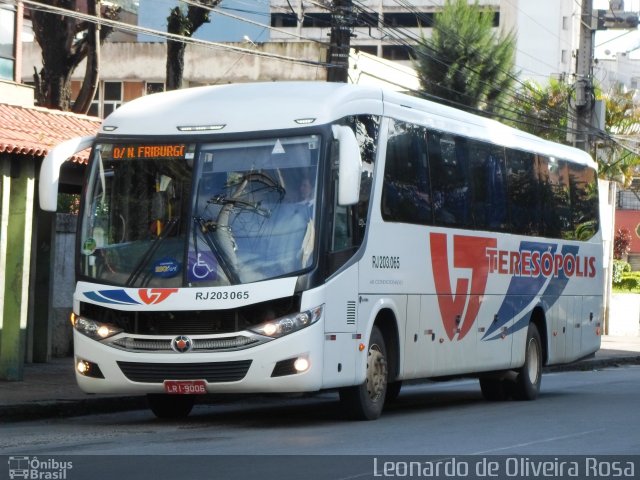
(494, 389)
(529, 376)
(170, 406)
(393, 390)
(365, 401)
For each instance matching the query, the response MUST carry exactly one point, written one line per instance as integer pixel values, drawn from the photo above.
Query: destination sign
(148, 151)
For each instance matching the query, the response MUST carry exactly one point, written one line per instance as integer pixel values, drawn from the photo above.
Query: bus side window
(523, 192)
(348, 223)
(405, 194)
(488, 179)
(448, 162)
(583, 185)
(554, 189)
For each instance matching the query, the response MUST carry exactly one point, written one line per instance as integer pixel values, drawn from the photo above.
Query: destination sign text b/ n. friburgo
(148, 151)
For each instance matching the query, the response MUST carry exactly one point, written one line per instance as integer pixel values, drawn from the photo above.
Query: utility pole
(340, 41)
(580, 111)
(583, 103)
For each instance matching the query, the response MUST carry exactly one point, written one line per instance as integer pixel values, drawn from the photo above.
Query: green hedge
(624, 280)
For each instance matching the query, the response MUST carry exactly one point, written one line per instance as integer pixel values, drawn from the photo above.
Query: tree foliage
(621, 243)
(65, 42)
(183, 22)
(622, 122)
(545, 110)
(466, 63)
(542, 110)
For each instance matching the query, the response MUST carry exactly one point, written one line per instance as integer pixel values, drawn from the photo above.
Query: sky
(222, 28)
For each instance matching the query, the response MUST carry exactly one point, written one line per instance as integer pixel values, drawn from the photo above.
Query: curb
(39, 410)
(595, 364)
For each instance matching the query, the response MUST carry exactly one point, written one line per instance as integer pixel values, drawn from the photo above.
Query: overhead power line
(122, 26)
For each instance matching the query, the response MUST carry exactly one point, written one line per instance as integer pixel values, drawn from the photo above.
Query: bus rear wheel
(527, 382)
(170, 406)
(365, 401)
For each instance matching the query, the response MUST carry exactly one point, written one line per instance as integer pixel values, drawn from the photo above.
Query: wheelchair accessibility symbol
(202, 266)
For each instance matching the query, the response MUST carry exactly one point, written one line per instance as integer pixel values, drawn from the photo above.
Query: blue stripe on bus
(119, 297)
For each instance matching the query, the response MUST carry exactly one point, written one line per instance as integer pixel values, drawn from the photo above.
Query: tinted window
(523, 192)
(405, 195)
(583, 185)
(554, 192)
(435, 178)
(488, 176)
(450, 187)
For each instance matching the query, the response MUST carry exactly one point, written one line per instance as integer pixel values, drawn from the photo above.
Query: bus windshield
(208, 214)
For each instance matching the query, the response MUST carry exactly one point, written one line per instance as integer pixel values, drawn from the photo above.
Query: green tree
(622, 123)
(183, 22)
(542, 110)
(466, 63)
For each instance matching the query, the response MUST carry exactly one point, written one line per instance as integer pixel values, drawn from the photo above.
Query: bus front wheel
(365, 401)
(170, 406)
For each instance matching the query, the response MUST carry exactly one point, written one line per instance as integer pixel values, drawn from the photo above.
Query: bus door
(493, 331)
(560, 342)
(591, 323)
(574, 327)
(449, 347)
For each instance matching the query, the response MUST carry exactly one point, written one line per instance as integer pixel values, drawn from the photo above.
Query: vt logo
(155, 295)
(468, 253)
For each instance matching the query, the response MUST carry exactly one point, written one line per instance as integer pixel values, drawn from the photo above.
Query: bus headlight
(282, 326)
(94, 329)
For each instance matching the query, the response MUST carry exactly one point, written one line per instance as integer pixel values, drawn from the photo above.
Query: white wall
(547, 33)
(203, 65)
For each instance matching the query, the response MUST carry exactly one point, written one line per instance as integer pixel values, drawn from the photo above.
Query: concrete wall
(62, 285)
(624, 319)
(202, 65)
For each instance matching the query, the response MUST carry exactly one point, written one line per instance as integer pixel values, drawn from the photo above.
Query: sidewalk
(50, 390)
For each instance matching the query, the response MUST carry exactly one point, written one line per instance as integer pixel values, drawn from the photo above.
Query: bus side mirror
(50, 170)
(349, 165)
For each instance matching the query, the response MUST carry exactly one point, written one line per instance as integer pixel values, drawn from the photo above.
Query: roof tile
(35, 130)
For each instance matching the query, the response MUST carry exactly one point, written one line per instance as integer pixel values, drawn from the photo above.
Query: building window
(154, 87)
(564, 56)
(283, 20)
(565, 23)
(317, 20)
(108, 97)
(408, 20)
(397, 52)
(112, 97)
(7, 30)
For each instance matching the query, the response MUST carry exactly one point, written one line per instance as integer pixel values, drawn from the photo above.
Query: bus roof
(250, 107)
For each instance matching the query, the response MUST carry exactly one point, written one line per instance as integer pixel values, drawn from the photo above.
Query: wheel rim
(533, 360)
(376, 373)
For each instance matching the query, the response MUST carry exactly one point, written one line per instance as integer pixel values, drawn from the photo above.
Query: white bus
(298, 237)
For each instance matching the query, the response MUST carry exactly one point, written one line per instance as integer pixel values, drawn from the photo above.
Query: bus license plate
(185, 387)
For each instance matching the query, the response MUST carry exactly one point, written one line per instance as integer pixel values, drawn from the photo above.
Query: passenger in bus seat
(307, 203)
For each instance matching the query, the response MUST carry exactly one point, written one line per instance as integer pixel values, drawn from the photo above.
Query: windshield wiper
(148, 255)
